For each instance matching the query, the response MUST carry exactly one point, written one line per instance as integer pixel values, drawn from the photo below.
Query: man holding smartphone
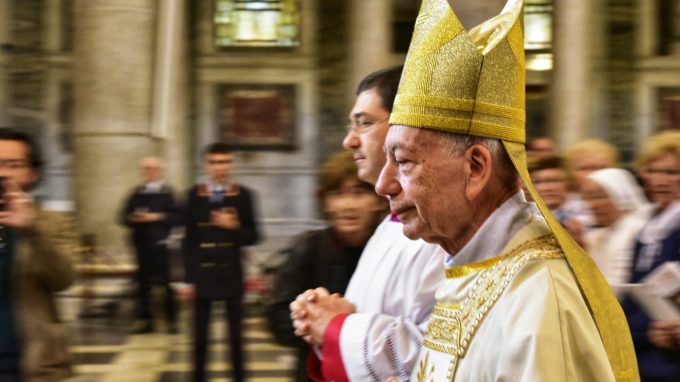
(36, 250)
(220, 219)
(150, 212)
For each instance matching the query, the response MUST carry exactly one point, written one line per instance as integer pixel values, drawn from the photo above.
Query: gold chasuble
(473, 83)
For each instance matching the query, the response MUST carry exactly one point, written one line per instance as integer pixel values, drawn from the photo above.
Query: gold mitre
(473, 83)
(460, 82)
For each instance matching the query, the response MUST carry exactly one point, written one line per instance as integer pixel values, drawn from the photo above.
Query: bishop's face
(425, 186)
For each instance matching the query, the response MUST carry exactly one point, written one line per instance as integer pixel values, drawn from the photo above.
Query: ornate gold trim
(546, 243)
(452, 326)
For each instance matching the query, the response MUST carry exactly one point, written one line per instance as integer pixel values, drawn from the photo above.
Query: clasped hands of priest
(313, 310)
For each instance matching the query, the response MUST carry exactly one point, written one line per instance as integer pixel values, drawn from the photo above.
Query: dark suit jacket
(212, 255)
(144, 234)
(316, 259)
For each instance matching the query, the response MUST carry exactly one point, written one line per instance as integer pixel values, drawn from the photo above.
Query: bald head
(151, 169)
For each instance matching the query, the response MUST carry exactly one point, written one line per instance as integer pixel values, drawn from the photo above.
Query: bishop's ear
(478, 168)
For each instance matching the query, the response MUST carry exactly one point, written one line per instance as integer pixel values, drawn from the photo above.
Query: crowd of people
(492, 262)
(628, 220)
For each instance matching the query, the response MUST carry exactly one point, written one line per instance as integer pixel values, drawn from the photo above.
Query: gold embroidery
(443, 331)
(451, 327)
(425, 369)
(545, 243)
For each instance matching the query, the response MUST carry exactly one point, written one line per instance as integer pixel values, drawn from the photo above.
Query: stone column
(113, 61)
(5, 43)
(569, 113)
(56, 177)
(370, 39)
(170, 111)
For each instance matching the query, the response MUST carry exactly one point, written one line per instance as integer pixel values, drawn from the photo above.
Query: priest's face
(425, 186)
(368, 124)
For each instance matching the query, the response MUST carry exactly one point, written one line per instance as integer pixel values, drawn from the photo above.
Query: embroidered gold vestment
(519, 316)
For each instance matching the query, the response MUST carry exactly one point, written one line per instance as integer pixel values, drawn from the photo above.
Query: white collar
(156, 185)
(661, 225)
(495, 232)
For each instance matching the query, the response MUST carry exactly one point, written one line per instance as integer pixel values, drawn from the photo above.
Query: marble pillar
(113, 61)
(569, 112)
(170, 122)
(55, 185)
(370, 39)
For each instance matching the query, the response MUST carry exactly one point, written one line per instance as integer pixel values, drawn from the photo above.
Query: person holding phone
(220, 220)
(36, 253)
(150, 213)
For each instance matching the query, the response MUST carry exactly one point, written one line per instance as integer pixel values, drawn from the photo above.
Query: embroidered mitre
(473, 83)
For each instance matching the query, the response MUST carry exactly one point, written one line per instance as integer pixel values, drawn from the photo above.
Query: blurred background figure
(549, 176)
(220, 219)
(657, 344)
(36, 254)
(587, 156)
(150, 213)
(326, 257)
(619, 208)
(551, 179)
(539, 147)
(583, 158)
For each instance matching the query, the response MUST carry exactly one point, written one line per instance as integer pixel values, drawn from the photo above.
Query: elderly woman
(326, 257)
(618, 207)
(657, 344)
(583, 158)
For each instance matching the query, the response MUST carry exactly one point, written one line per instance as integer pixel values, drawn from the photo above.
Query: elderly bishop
(521, 302)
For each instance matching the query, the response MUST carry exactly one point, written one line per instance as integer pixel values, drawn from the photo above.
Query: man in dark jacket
(150, 212)
(220, 219)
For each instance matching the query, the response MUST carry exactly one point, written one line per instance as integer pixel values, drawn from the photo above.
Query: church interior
(103, 84)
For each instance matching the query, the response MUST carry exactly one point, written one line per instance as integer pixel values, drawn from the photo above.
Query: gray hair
(459, 143)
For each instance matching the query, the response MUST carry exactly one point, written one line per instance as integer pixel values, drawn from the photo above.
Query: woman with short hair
(657, 343)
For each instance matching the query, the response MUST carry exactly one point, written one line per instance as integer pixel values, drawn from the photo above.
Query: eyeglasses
(362, 125)
(216, 162)
(662, 171)
(13, 164)
(352, 191)
(538, 181)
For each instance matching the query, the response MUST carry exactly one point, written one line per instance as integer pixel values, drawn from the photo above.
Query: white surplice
(393, 289)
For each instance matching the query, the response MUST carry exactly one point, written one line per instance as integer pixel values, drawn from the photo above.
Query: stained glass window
(538, 17)
(257, 23)
(537, 24)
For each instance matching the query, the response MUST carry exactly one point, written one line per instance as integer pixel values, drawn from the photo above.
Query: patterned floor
(104, 351)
